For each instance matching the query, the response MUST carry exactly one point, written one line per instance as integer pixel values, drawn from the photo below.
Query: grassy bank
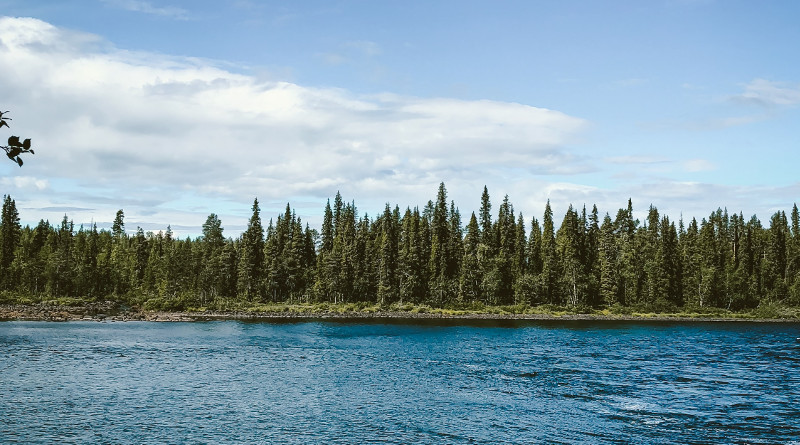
(71, 308)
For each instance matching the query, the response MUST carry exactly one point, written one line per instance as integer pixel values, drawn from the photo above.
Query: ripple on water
(317, 382)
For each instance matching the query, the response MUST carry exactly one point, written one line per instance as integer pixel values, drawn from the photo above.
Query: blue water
(399, 382)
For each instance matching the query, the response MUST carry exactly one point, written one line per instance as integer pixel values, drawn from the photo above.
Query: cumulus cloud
(151, 129)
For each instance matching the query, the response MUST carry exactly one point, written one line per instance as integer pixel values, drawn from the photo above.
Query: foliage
(14, 148)
(419, 260)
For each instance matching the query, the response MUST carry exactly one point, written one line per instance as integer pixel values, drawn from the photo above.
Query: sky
(173, 110)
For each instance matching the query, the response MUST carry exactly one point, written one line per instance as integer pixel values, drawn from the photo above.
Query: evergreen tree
(526, 287)
(412, 262)
(60, 266)
(10, 233)
(670, 273)
(631, 267)
(503, 273)
(213, 242)
(572, 281)
(793, 258)
(776, 257)
(30, 259)
(118, 228)
(326, 262)
(609, 257)
(470, 276)
(440, 246)
(120, 263)
(550, 268)
(388, 283)
(487, 251)
(655, 291)
(424, 257)
(485, 216)
(251, 260)
(591, 255)
(535, 248)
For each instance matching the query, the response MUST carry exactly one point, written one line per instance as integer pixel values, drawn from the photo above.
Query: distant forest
(418, 256)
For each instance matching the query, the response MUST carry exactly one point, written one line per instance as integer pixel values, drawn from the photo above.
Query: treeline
(420, 256)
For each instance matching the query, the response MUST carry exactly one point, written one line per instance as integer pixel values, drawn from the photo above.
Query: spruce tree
(251, 260)
(10, 232)
(470, 277)
(388, 289)
(550, 268)
(440, 246)
(608, 259)
(572, 282)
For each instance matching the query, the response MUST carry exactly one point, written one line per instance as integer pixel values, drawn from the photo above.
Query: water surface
(399, 382)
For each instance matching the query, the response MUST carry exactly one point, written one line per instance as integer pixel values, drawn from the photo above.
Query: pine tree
(609, 254)
(251, 260)
(487, 250)
(412, 258)
(776, 257)
(120, 263)
(503, 270)
(30, 259)
(535, 249)
(631, 267)
(591, 257)
(793, 258)
(60, 266)
(655, 274)
(388, 288)
(213, 242)
(485, 219)
(572, 281)
(10, 233)
(440, 246)
(470, 277)
(141, 252)
(118, 228)
(550, 268)
(670, 273)
(455, 248)
(326, 263)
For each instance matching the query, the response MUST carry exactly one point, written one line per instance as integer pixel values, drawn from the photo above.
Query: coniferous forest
(431, 256)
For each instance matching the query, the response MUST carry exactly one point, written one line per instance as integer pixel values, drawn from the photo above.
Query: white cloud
(148, 8)
(698, 165)
(170, 140)
(25, 182)
(636, 159)
(767, 93)
(148, 130)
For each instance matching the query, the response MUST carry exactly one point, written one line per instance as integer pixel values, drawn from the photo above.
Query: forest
(415, 256)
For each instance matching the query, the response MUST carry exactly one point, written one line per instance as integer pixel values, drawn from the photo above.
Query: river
(399, 381)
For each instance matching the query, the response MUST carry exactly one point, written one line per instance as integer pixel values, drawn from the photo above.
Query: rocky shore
(110, 312)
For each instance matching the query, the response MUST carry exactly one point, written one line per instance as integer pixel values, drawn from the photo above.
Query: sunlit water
(399, 382)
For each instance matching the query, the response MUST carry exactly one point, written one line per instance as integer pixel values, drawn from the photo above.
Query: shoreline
(105, 313)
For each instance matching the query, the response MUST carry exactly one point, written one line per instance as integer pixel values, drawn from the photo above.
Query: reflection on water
(426, 381)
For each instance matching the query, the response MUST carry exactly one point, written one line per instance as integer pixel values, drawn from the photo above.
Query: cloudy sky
(174, 109)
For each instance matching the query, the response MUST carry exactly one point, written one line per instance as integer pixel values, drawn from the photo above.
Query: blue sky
(172, 110)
